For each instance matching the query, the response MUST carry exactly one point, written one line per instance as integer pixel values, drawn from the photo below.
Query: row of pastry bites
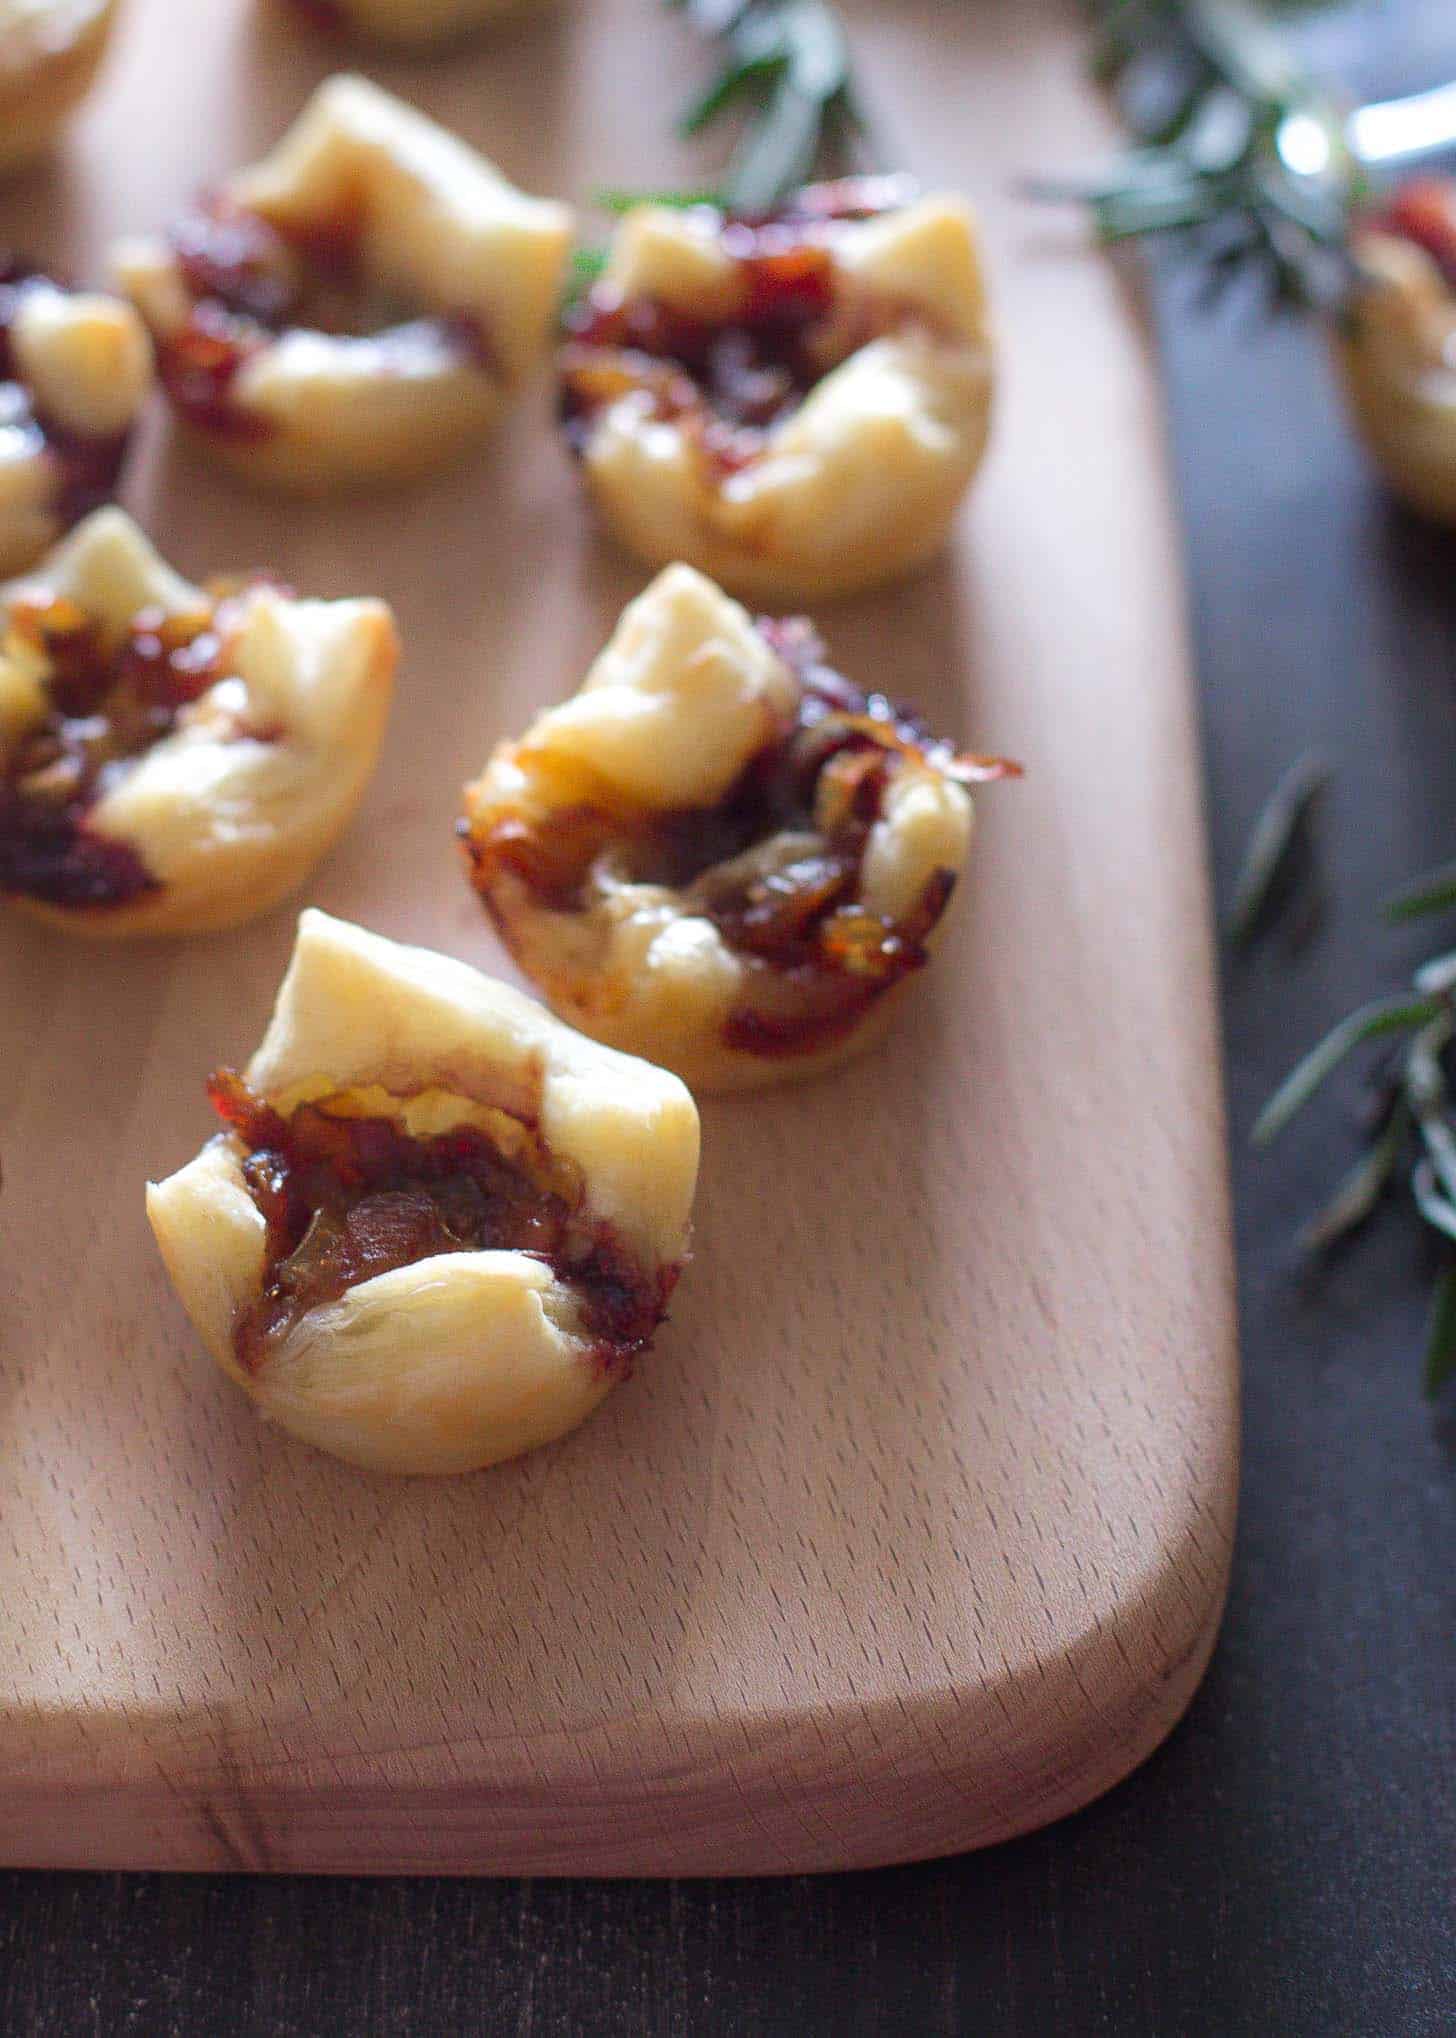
(795, 402)
(438, 1222)
(795, 405)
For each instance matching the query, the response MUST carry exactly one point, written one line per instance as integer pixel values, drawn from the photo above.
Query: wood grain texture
(913, 1531)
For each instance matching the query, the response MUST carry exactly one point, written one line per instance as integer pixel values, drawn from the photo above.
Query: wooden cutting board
(913, 1531)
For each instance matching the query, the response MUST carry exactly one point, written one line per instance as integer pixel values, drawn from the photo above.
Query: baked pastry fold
(720, 853)
(796, 405)
(173, 761)
(441, 1224)
(358, 307)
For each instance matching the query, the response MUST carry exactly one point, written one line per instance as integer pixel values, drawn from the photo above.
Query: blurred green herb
(1412, 1132)
(1432, 893)
(610, 198)
(1279, 834)
(1240, 157)
(786, 67)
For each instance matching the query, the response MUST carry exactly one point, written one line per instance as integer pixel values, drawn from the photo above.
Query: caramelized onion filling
(776, 865)
(86, 464)
(107, 703)
(729, 383)
(346, 1197)
(251, 281)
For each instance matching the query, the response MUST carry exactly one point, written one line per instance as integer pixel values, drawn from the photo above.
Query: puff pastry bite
(406, 24)
(75, 369)
(359, 306)
(720, 853)
(1396, 352)
(440, 1224)
(794, 405)
(50, 52)
(173, 761)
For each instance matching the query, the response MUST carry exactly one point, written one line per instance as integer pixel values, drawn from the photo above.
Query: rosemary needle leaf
(789, 62)
(778, 153)
(1432, 893)
(611, 198)
(1357, 1196)
(725, 88)
(1276, 834)
(1370, 1022)
(1440, 1363)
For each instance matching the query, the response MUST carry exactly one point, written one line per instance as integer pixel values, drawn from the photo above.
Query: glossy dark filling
(818, 959)
(1423, 210)
(251, 281)
(727, 383)
(346, 1198)
(86, 464)
(107, 704)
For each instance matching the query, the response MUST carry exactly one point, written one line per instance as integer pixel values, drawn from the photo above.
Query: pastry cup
(718, 853)
(222, 797)
(75, 369)
(1396, 359)
(451, 1361)
(407, 24)
(50, 52)
(854, 478)
(366, 214)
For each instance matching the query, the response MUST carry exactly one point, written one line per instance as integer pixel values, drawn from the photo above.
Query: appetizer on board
(439, 1225)
(720, 853)
(50, 52)
(359, 307)
(1396, 349)
(795, 405)
(174, 761)
(75, 370)
(407, 24)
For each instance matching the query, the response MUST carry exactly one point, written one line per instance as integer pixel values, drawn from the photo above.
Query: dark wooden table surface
(1285, 1863)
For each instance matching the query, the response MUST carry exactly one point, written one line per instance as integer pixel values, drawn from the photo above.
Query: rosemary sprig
(1371, 1022)
(1359, 1194)
(786, 66)
(1278, 835)
(1239, 155)
(1414, 1129)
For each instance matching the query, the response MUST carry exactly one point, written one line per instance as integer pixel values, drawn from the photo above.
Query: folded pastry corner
(75, 370)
